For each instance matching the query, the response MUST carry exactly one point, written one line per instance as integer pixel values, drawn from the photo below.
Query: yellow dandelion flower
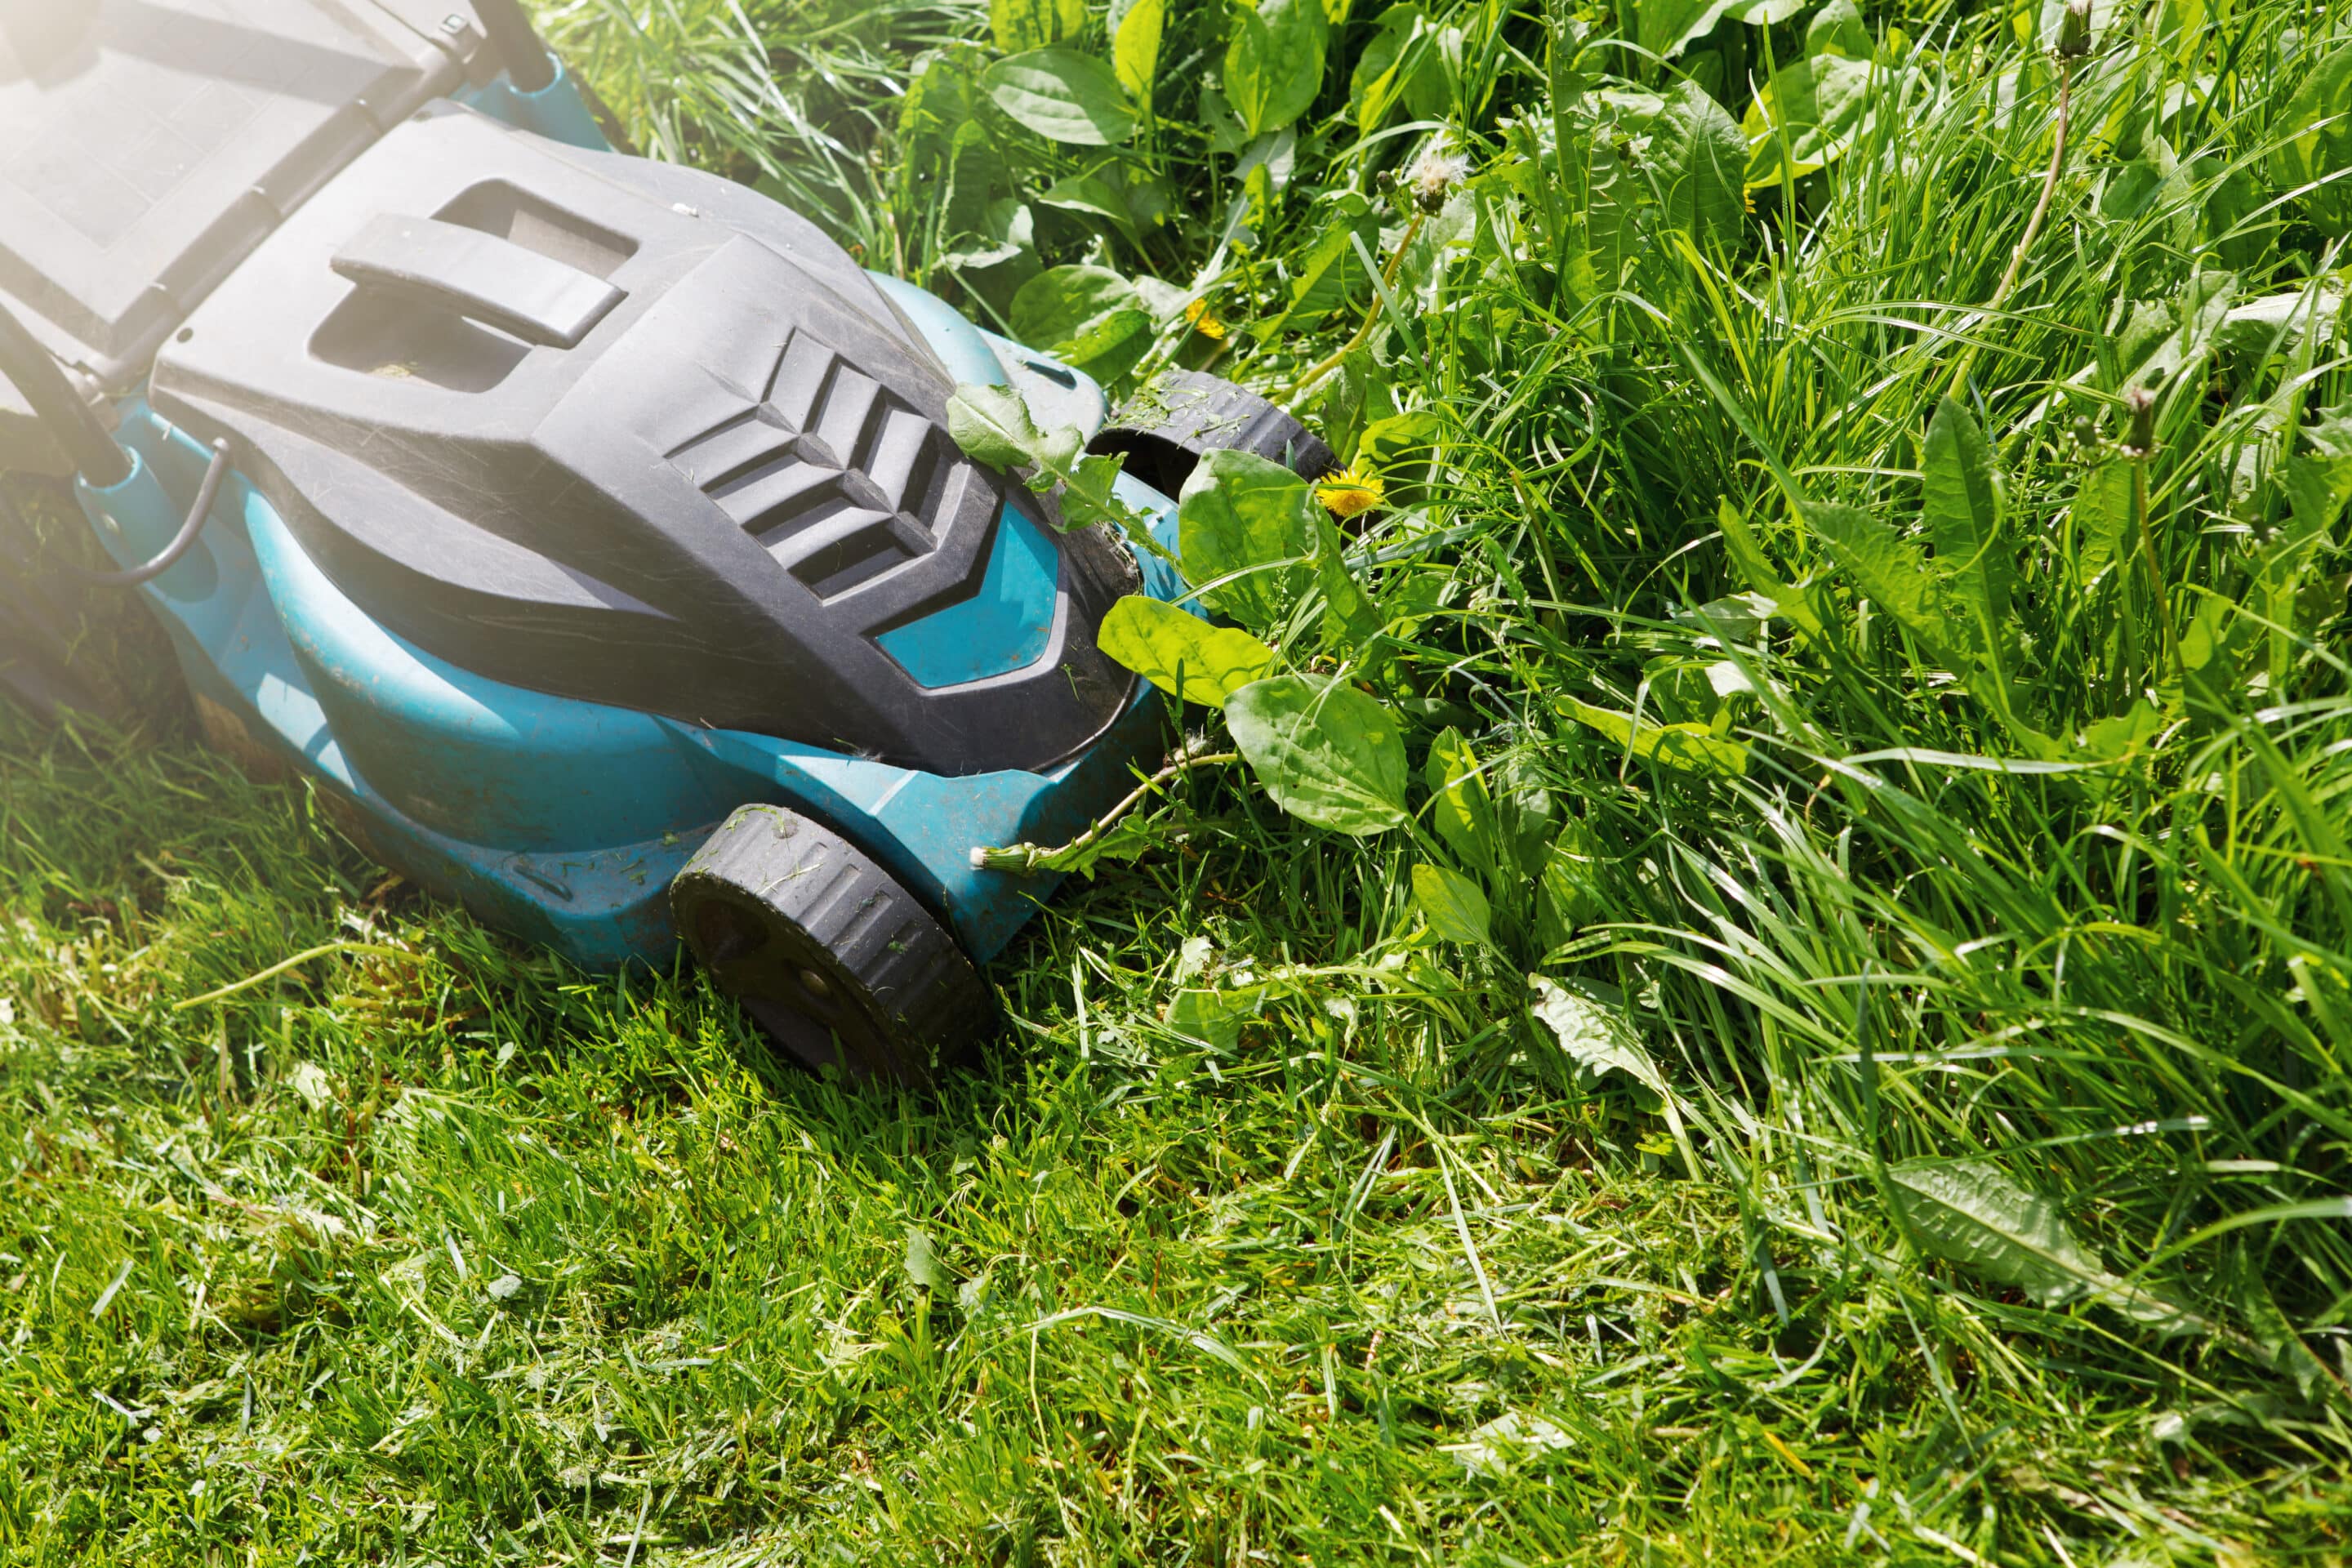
(1348, 493)
(1204, 321)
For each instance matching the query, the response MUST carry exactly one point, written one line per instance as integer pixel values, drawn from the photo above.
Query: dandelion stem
(1332, 361)
(1025, 857)
(306, 955)
(2032, 224)
(2166, 642)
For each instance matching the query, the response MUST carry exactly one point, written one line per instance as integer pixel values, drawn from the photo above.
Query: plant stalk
(1363, 334)
(2166, 642)
(2032, 224)
(1028, 857)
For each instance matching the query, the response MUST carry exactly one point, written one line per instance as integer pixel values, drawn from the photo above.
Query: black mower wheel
(836, 961)
(1182, 416)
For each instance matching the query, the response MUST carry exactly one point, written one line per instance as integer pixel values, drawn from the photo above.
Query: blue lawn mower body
(587, 529)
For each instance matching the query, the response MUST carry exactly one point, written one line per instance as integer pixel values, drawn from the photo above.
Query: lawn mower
(586, 529)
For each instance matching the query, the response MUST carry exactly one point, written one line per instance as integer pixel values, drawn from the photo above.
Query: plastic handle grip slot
(482, 277)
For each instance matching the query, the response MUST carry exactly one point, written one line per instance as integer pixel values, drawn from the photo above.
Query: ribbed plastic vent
(832, 473)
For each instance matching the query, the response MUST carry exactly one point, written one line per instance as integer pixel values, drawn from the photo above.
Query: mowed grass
(432, 1249)
(471, 1257)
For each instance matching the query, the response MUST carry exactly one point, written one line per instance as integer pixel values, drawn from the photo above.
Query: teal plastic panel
(1007, 625)
(959, 344)
(556, 111)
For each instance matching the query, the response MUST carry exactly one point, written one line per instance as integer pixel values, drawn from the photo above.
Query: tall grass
(1900, 938)
(794, 96)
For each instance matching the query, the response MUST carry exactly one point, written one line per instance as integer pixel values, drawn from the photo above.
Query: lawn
(1812, 1026)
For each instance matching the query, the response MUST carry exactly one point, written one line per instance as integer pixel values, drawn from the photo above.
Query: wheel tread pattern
(903, 995)
(1182, 416)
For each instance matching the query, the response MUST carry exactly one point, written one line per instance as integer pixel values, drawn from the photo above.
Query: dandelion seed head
(1433, 175)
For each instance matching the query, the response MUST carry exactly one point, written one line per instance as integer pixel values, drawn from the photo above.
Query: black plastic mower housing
(625, 432)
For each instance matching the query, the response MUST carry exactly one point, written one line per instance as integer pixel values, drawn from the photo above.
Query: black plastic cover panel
(147, 146)
(706, 502)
